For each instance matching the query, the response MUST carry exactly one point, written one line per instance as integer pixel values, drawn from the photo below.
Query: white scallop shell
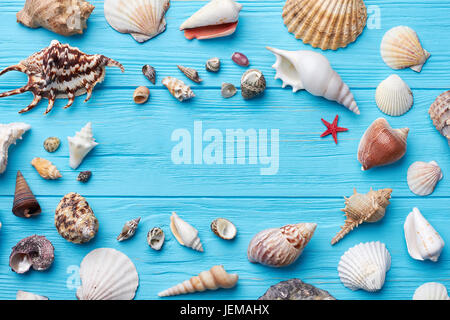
(364, 266)
(80, 145)
(186, 234)
(423, 176)
(107, 274)
(401, 48)
(213, 13)
(143, 19)
(431, 291)
(393, 96)
(422, 239)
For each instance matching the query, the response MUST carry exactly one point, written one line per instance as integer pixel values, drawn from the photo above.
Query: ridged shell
(190, 73)
(224, 228)
(46, 169)
(80, 145)
(253, 83)
(279, 247)
(25, 204)
(24, 295)
(328, 24)
(178, 88)
(431, 291)
(141, 95)
(440, 114)
(364, 266)
(34, 251)
(9, 134)
(107, 274)
(423, 176)
(185, 234)
(401, 48)
(393, 96)
(149, 72)
(143, 19)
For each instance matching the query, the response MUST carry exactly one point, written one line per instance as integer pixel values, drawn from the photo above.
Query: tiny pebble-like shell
(423, 176)
(84, 176)
(141, 95)
(431, 291)
(149, 72)
(52, 144)
(190, 73)
(129, 229)
(240, 59)
(393, 96)
(213, 65)
(155, 238)
(253, 83)
(46, 169)
(224, 228)
(228, 90)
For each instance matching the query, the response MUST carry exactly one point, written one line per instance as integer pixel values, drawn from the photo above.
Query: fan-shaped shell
(327, 24)
(107, 274)
(431, 291)
(440, 114)
(364, 266)
(423, 176)
(185, 234)
(393, 96)
(401, 48)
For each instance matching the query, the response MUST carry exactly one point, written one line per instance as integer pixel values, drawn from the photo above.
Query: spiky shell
(279, 247)
(185, 234)
(364, 266)
(178, 88)
(393, 96)
(329, 24)
(224, 228)
(80, 145)
(440, 114)
(400, 48)
(253, 83)
(431, 291)
(46, 169)
(423, 176)
(143, 19)
(107, 274)
(9, 134)
(24, 295)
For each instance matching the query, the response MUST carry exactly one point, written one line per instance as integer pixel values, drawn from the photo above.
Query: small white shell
(431, 291)
(80, 145)
(185, 234)
(24, 295)
(423, 176)
(364, 266)
(393, 96)
(224, 228)
(422, 239)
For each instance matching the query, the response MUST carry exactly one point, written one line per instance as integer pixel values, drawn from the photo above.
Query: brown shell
(25, 204)
(34, 251)
(149, 72)
(190, 73)
(46, 169)
(141, 95)
(440, 114)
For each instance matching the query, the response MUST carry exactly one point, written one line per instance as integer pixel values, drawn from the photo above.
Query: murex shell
(393, 96)
(431, 291)
(25, 204)
(253, 83)
(60, 71)
(423, 176)
(128, 229)
(295, 289)
(9, 134)
(74, 219)
(440, 114)
(46, 169)
(185, 234)
(34, 251)
(155, 238)
(279, 247)
(107, 274)
(178, 88)
(328, 24)
(80, 145)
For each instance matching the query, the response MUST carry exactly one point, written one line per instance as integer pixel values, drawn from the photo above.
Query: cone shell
(34, 251)
(381, 145)
(328, 24)
(185, 234)
(440, 114)
(25, 204)
(212, 279)
(431, 291)
(141, 95)
(80, 145)
(224, 228)
(107, 274)
(393, 96)
(46, 169)
(253, 83)
(401, 48)
(279, 247)
(178, 88)
(423, 176)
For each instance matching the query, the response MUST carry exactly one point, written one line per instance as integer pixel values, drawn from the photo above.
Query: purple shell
(240, 59)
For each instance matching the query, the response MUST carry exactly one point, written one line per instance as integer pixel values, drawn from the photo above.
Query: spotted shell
(253, 83)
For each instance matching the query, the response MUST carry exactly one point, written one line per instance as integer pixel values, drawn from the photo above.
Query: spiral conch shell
(185, 234)
(80, 145)
(279, 247)
(423, 176)
(310, 70)
(212, 279)
(440, 114)
(9, 134)
(431, 291)
(34, 251)
(46, 169)
(178, 88)
(359, 208)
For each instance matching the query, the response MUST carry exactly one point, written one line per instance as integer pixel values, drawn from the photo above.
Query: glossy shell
(141, 95)
(185, 234)
(128, 229)
(150, 73)
(34, 251)
(253, 83)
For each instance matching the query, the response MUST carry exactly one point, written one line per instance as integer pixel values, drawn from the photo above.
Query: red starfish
(332, 128)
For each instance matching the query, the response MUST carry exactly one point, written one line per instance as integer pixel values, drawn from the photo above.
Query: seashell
(431, 291)
(310, 70)
(295, 289)
(440, 114)
(224, 228)
(253, 83)
(228, 90)
(213, 65)
(9, 134)
(34, 251)
(359, 208)
(364, 266)
(185, 234)
(84, 176)
(279, 247)
(80, 145)
(143, 19)
(422, 239)
(141, 95)
(178, 88)
(149, 72)
(46, 169)
(218, 18)
(329, 24)
(25, 204)
(107, 274)
(422, 177)
(24, 295)
(381, 145)
(74, 219)
(76, 73)
(212, 279)
(240, 59)
(155, 238)
(400, 48)
(51, 144)
(65, 17)
(190, 73)
(393, 96)
(129, 229)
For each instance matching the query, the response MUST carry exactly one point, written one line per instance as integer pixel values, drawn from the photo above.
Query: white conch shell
(393, 96)
(143, 19)
(212, 279)
(9, 134)
(107, 274)
(423, 176)
(364, 266)
(80, 145)
(185, 234)
(310, 70)
(213, 13)
(178, 88)
(422, 239)
(24, 295)
(431, 291)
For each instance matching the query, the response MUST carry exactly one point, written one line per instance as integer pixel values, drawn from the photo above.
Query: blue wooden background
(133, 174)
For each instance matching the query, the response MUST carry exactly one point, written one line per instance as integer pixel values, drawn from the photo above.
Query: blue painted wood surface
(133, 174)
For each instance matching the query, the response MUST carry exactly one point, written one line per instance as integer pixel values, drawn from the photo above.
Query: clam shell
(224, 228)
(423, 176)
(228, 90)
(185, 234)
(178, 88)
(364, 266)
(51, 144)
(141, 95)
(393, 96)
(24, 295)
(34, 251)
(440, 114)
(155, 238)
(190, 73)
(253, 83)
(213, 64)
(80, 145)
(107, 274)
(431, 291)
(25, 204)
(46, 169)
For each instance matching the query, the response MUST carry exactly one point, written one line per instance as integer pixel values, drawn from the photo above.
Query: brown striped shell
(440, 114)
